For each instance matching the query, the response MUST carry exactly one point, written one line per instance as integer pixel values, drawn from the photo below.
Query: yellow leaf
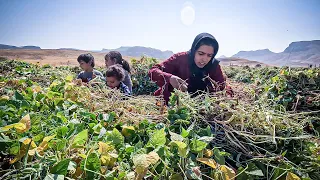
(227, 172)
(44, 144)
(103, 170)
(48, 138)
(32, 152)
(291, 176)
(27, 141)
(127, 130)
(210, 162)
(23, 150)
(8, 127)
(143, 161)
(21, 128)
(69, 78)
(36, 89)
(208, 153)
(108, 159)
(105, 159)
(4, 98)
(83, 156)
(104, 148)
(26, 121)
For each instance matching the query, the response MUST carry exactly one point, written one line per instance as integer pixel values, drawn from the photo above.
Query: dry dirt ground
(53, 57)
(57, 57)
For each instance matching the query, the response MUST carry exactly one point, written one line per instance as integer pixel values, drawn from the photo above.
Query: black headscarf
(197, 74)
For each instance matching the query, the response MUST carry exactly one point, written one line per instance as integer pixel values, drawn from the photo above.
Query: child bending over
(114, 76)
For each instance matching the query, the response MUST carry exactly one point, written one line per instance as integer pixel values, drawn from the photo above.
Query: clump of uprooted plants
(67, 130)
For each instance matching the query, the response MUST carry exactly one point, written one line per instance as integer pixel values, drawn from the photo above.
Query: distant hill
(137, 51)
(69, 49)
(223, 56)
(300, 53)
(4, 46)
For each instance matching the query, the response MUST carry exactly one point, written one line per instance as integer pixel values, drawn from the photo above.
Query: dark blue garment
(124, 89)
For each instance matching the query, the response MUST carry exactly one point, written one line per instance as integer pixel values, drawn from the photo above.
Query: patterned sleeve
(125, 89)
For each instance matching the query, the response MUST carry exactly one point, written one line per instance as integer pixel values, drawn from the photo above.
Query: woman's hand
(178, 83)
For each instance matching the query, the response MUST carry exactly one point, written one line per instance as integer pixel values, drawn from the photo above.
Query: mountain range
(4, 46)
(302, 53)
(134, 51)
(137, 51)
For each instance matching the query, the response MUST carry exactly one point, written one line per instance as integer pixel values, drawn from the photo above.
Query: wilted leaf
(22, 126)
(206, 139)
(208, 153)
(291, 176)
(80, 139)
(61, 168)
(153, 157)
(26, 121)
(104, 148)
(105, 159)
(227, 172)
(44, 144)
(140, 162)
(24, 148)
(17, 126)
(130, 175)
(175, 136)
(143, 161)
(210, 162)
(36, 89)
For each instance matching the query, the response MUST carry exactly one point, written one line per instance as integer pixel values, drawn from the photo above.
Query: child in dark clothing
(86, 62)
(114, 76)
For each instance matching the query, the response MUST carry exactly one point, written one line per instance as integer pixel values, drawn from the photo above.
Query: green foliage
(142, 84)
(68, 139)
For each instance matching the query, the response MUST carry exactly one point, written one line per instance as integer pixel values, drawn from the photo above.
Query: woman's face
(108, 62)
(203, 55)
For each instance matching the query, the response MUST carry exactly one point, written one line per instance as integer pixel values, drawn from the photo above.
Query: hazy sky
(93, 25)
